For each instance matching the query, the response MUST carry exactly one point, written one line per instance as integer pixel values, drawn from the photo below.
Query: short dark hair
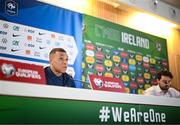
(53, 51)
(164, 73)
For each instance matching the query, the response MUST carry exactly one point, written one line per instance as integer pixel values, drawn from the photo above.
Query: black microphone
(85, 84)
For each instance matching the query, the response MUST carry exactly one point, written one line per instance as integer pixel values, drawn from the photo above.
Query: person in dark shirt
(56, 73)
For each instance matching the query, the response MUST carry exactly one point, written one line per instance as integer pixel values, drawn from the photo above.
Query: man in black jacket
(56, 73)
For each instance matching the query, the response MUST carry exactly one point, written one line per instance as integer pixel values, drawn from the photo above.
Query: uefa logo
(7, 69)
(98, 82)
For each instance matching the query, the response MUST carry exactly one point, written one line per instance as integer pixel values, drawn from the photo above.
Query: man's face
(164, 82)
(59, 62)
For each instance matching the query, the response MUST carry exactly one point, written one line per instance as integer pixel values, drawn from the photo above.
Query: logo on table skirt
(7, 69)
(98, 82)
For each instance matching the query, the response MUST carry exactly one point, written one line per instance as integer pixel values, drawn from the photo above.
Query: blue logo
(11, 7)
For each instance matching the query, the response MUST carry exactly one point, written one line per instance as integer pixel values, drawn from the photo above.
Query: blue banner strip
(24, 58)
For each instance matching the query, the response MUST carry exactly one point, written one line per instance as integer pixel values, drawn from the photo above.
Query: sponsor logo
(132, 68)
(39, 40)
(61, 38)
(140, 80)
(48, 42)
(124, 54)
(11, 7)
(7, 69)
(41, 33)
(116, 59)
(29, 31)
(30, 45)
(133, 85)
(28, 52)
(108, 63)
(154, 82)
(3, 32)
(89, 46)
(16, 28)
(98, 82)
(53, 36)
(16, 35)
(57, 44)
(124, 60)
(124, 66)
(41, 47)
(83, 65)
(132, 61)
(152, 61)
(90, 60)
(4, 40)
(107, 74)
(139, 58)
(90, 53)
(99, 61)
(145, 59)
(99, 68)
(15, 43)
(99, 55)
(37, 54)
(158, 46)
(125, 78)
(117, 70)
(164, 63)
(29, 38)
(116, 52)
(3, 48)
(153, 71)
(146, 65)
(5, 25)
(14, 50)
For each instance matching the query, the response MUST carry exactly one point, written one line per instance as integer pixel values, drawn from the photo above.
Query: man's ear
(50, 58)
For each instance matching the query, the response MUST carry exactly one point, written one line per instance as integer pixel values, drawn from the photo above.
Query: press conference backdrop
(107, 49)
(115, 51)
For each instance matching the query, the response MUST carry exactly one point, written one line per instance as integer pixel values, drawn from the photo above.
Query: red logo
(21, 72)
(106, 83)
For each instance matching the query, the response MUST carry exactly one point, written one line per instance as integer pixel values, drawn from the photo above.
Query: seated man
(56, 73)
(163, 88)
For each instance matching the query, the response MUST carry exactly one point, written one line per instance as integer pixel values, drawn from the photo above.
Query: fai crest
(11, 7)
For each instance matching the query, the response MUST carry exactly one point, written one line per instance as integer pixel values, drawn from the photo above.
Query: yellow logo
(108, 63)
(132, 62)
(125, 78)
(108, 75)
(90, 60)
(116, 58)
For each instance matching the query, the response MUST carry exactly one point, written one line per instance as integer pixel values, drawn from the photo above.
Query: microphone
(85, 85)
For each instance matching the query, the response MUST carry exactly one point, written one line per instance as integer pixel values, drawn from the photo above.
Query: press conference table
(33, 103)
